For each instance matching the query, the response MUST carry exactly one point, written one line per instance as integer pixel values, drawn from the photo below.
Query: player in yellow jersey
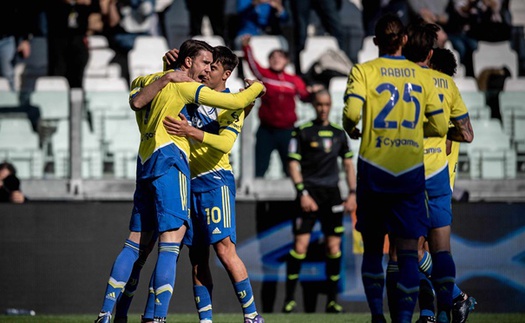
(393, 95)
(421, 39)
(460, 130)
(161, 196)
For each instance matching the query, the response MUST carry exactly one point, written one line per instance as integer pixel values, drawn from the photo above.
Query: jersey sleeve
(193, 92)
(294, 147)
(459, 109)
(230, 123)
(355, 94)
(436, 125)
(345, 151)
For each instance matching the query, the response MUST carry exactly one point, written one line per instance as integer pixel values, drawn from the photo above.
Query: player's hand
(17, 197)
(308, 204)
(350, 204)
(355, 133)
(250, 82)
(177, 127)
(170, 58)
(178, 76)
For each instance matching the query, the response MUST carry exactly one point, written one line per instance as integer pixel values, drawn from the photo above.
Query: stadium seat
(99, 64)
(97, 41)
(92, 166)
(337, 88)
(476, 104)
(495, 55)
(20, 145)
(514, 84)
(103, 84)
(146, 55)
(262, 46)
(8, 99)
(213, 40)
(466, 84)
(512, 107)
(368, 51)
(315, 46)
(122, 138)
(53, 104)
(51, 83)
(490, 154)
(4, 85)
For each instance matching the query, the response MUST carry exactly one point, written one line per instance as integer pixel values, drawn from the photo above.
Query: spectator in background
(10, 184)
(432, 12)
(214, 9)
(327, 10)
(277, 111)
(491, 20)
(261, 17)
(161, 8)
(67, 30)
(374, 9)
(125, 20)
(16, 21)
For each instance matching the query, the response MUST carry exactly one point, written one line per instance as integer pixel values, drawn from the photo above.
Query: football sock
(333, 270)
(150, 302)
(392, 278)
(244, 292)
(165, 276)
(426, 291)
(203, 301)
(124, 301)
(443, 279)
(456, 292)
(293, 267)
(373, 278)
(120, 273)
(408, 285)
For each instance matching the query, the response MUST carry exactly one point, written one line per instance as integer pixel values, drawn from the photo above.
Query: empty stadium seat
(123, 139)
(4, 84)
(213, 40)
(314, 47)
(368, 51)
(514, 84)
(53, 104)
(495, 55)
(8, 99)
(92, 166)
(490, 154)
(146, 55)
(99, 64)
(476, 104)
(97, 41)
(512, 107)
(20, 145)
(51, 83)
(466, 84)
(109, 84)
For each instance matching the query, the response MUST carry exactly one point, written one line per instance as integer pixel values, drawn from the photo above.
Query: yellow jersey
(393, 95)
(158, 150)
(436, 161)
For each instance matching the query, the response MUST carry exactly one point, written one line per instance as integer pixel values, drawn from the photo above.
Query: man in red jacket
(277, 111)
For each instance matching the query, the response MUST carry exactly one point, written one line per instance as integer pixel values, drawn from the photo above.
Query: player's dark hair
(225, 56)
(421, 40)
(191, 48)
(280, 51)
(9, 167)
(389, 33)
(443, 60)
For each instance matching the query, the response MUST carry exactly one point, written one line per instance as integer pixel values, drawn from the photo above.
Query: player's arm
(462, 130)
(228, 101)
(255, 67)
(145, 95)
(294, 169)
(354, 99)
(350, 202)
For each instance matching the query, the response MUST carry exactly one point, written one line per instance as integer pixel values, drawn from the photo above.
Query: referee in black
(313, 166)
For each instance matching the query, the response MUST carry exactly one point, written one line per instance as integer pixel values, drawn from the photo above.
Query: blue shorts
(403, 215)
(161, 203)
(213, 216)
(440, 210)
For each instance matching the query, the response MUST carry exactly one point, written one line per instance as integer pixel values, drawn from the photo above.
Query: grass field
(270, 318)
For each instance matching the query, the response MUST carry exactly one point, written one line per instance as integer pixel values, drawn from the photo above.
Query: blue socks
(408, 285)
(443, 279)
(373, 278)
(243, 289)
(164, 276)
(203, 301)
(120, 273)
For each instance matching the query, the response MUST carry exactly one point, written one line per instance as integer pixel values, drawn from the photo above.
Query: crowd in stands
(66, 25)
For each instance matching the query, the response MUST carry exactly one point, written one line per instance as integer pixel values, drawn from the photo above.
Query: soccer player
(443, 60)
(421, 39)
(312, 161)
(160, 202)
(393, 95)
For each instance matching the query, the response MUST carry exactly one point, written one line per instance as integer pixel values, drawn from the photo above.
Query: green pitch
(270, 318)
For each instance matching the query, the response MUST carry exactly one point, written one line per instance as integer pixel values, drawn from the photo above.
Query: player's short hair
(225, 56)
(421, 39)
(443, 60)
(9, 167)
(389, 33)
(280, 51)
(191, 48)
